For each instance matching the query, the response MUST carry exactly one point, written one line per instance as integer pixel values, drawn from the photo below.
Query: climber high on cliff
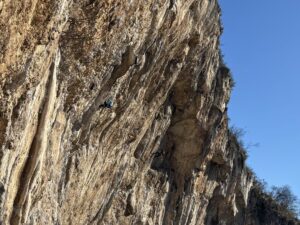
(107, 104)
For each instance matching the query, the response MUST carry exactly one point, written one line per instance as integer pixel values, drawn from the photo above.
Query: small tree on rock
(285, 198)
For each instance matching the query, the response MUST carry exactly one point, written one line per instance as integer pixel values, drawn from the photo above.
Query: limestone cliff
(162, 154)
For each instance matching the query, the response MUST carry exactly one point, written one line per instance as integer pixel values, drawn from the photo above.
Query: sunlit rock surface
(161, 155)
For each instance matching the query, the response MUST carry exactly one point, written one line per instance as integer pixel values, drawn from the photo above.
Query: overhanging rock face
(161, 155)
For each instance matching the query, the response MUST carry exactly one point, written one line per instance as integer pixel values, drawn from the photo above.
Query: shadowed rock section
(161, 155)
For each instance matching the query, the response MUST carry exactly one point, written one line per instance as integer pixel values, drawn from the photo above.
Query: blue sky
(261, 45)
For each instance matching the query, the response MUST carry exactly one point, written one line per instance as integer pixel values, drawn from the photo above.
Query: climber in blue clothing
(107, 104)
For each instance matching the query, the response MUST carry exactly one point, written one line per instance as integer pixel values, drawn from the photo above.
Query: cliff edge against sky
(162, 154)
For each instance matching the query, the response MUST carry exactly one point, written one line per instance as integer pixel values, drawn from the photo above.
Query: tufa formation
(114, 112)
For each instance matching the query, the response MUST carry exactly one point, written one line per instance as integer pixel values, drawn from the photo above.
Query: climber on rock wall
(107, 104)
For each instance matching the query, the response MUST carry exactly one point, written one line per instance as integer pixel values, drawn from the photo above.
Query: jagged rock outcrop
(162, 155)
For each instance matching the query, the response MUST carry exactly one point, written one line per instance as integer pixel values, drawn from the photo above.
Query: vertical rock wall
(162, 155)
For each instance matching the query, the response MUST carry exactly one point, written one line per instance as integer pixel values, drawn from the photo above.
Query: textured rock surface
(162, 155)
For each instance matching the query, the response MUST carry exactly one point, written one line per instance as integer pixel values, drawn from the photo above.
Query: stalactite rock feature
(161, 154)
